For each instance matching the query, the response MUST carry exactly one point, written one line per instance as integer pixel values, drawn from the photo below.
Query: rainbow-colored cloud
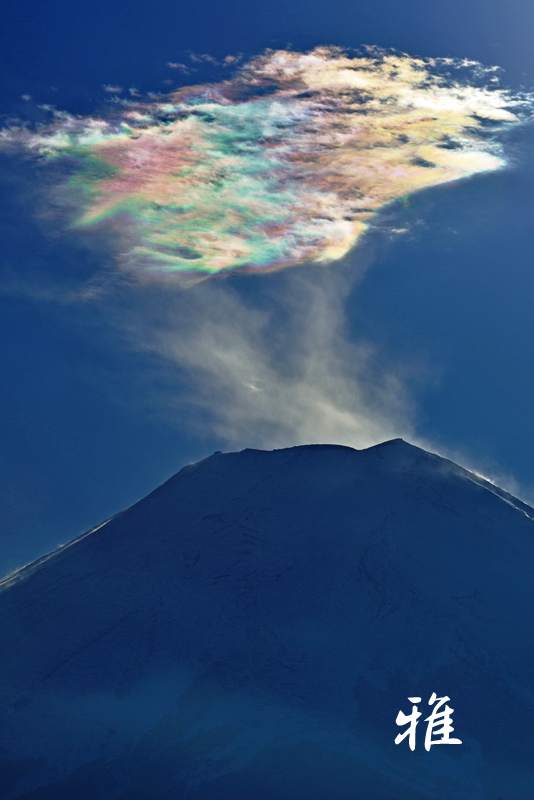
(284, 163)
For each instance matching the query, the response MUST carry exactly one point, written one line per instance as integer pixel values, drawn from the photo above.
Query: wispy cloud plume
(276, 372)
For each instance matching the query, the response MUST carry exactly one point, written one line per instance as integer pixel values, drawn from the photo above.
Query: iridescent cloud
(283, 163)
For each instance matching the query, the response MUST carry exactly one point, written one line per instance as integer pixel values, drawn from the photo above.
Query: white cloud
(274, 372)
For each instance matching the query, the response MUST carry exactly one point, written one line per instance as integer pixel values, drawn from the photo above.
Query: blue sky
(90, 423)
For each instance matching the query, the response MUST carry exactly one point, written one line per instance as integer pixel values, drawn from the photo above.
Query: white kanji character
(435, 719)
(403, 719)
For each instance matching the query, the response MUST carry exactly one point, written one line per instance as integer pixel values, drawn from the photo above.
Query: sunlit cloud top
(283, 163)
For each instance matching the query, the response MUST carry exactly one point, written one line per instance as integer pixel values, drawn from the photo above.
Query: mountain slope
(251, 629)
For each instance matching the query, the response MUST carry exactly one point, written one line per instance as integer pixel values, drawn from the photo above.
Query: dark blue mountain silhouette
(250, 630)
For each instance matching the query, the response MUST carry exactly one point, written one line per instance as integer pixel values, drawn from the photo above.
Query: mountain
(251, 629)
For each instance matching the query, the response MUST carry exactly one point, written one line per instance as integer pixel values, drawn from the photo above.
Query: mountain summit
(252, 628)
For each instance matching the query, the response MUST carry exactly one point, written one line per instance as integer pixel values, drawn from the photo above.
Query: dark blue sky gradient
(78, 438)
(77, 47)
(456, 295)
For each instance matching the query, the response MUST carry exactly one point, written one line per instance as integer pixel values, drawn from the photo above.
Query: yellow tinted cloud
(284, 163)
